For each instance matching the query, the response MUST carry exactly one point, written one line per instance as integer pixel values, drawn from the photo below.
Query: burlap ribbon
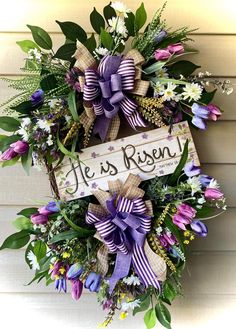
(122, 221)
(104, 98)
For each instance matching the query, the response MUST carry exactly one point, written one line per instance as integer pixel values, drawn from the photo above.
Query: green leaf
(16, 240)
(9, 124)
(48, 82)
(186, 68)
(204, 212)
(40, 249)
(44, 264)
(150, 318)
(26, 160)
(157, 66)
(97, 21)
(41, 37)
(184, 157)
(22, 223)
(109, 12)
(90, 43)
(65, 151)
(10, 162)
(140, 17)
(169, 293)
(163, 315)
(72, 105)
(66, 52)
(37, 277)
(27, 212)
(207, 97)
(6, 141)
(26, 45)
(129, 23)
(106, 39)
(82, 231)
(24, 107)
(144, 305)
(73, 31)
(67, 235)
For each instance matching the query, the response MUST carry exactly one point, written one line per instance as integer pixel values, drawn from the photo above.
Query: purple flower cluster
(15, 149)
(41, 217)
(173, 49)
(202, 113)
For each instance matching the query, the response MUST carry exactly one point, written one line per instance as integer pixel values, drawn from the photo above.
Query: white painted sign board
(148, 154)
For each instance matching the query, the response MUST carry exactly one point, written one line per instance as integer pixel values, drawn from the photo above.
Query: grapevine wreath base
(127, 243)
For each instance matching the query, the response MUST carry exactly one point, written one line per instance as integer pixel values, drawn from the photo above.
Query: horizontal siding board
(214, 50)
(219, 267)
(205, 15)
(60, 311)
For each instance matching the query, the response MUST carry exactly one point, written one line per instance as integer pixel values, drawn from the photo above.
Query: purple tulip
(198, 122)
(60, 284)
(181, 221)
(53, 206)
(38, 219)
(176, 48)
(20, 147)
(76, 289)
(191, 170)
(9, 154)
(213, 194)
(205, 180)
(160, 36)
(37, 97)
(186, 211)
(74, 271)
(162, 54)
(200, 111)
(199, 228)
(93, 282)
(214, 112)
(43, 211)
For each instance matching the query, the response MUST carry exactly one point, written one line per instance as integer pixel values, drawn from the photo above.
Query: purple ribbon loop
(124, 232)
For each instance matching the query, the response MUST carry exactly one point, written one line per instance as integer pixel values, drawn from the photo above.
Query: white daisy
(169, 92)
(159, 89)
(118, 25)
(33, 260)
(102, 51)
(120, 8)
(23, 132)
(45, 125)
(132, 280)
(192, 91)
(195, 184)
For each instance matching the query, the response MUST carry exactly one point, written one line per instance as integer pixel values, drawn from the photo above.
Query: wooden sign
(149, 154)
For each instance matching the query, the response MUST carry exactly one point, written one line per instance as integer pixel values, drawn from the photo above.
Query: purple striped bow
(124, 232)
(106, 88)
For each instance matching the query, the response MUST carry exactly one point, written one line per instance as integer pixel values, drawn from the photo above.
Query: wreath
(126, 242)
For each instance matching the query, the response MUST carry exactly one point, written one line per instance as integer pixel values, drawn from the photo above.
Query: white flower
(195, 184)
(23, 132)
(44, 125)
(49, 140)
(159, 230)
(169, 92)
(54, 102)
(25, 122)
(213, 184)
(102, 51)
(68, 118)
(192, 91)
(201, 200)
(33, 260)
(132, 280)
(120, 8)
(229, 90)
(118, 25)
(36, 163)
(130, 305)
(35, 54)
(162, 73)
(159, 89)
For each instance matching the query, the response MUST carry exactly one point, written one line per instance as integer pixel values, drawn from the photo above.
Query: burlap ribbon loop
(122, 221)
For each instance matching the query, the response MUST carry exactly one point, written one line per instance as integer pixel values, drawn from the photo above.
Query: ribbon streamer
(122, 221)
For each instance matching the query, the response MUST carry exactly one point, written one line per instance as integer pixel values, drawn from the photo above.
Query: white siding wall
(209, 282)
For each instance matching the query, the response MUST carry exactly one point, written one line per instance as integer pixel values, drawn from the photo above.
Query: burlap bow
(106, 91)
(122, 221)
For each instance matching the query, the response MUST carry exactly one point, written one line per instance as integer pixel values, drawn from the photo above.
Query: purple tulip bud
(180, 221)
(38, 219)
(198, 122)
(199, 228)
(43, 211)
(76, 289)
(53, 206)
(20, 147)
(213, 194)
(176, 48)
(93, 282)
(74, 271)
(162, 54)
(214, 112)
(186, 210)
(60, 284)
(37, 97)
(160, 36)
(9, 154)
(200, 111)
(205, 180)
(191, 170)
